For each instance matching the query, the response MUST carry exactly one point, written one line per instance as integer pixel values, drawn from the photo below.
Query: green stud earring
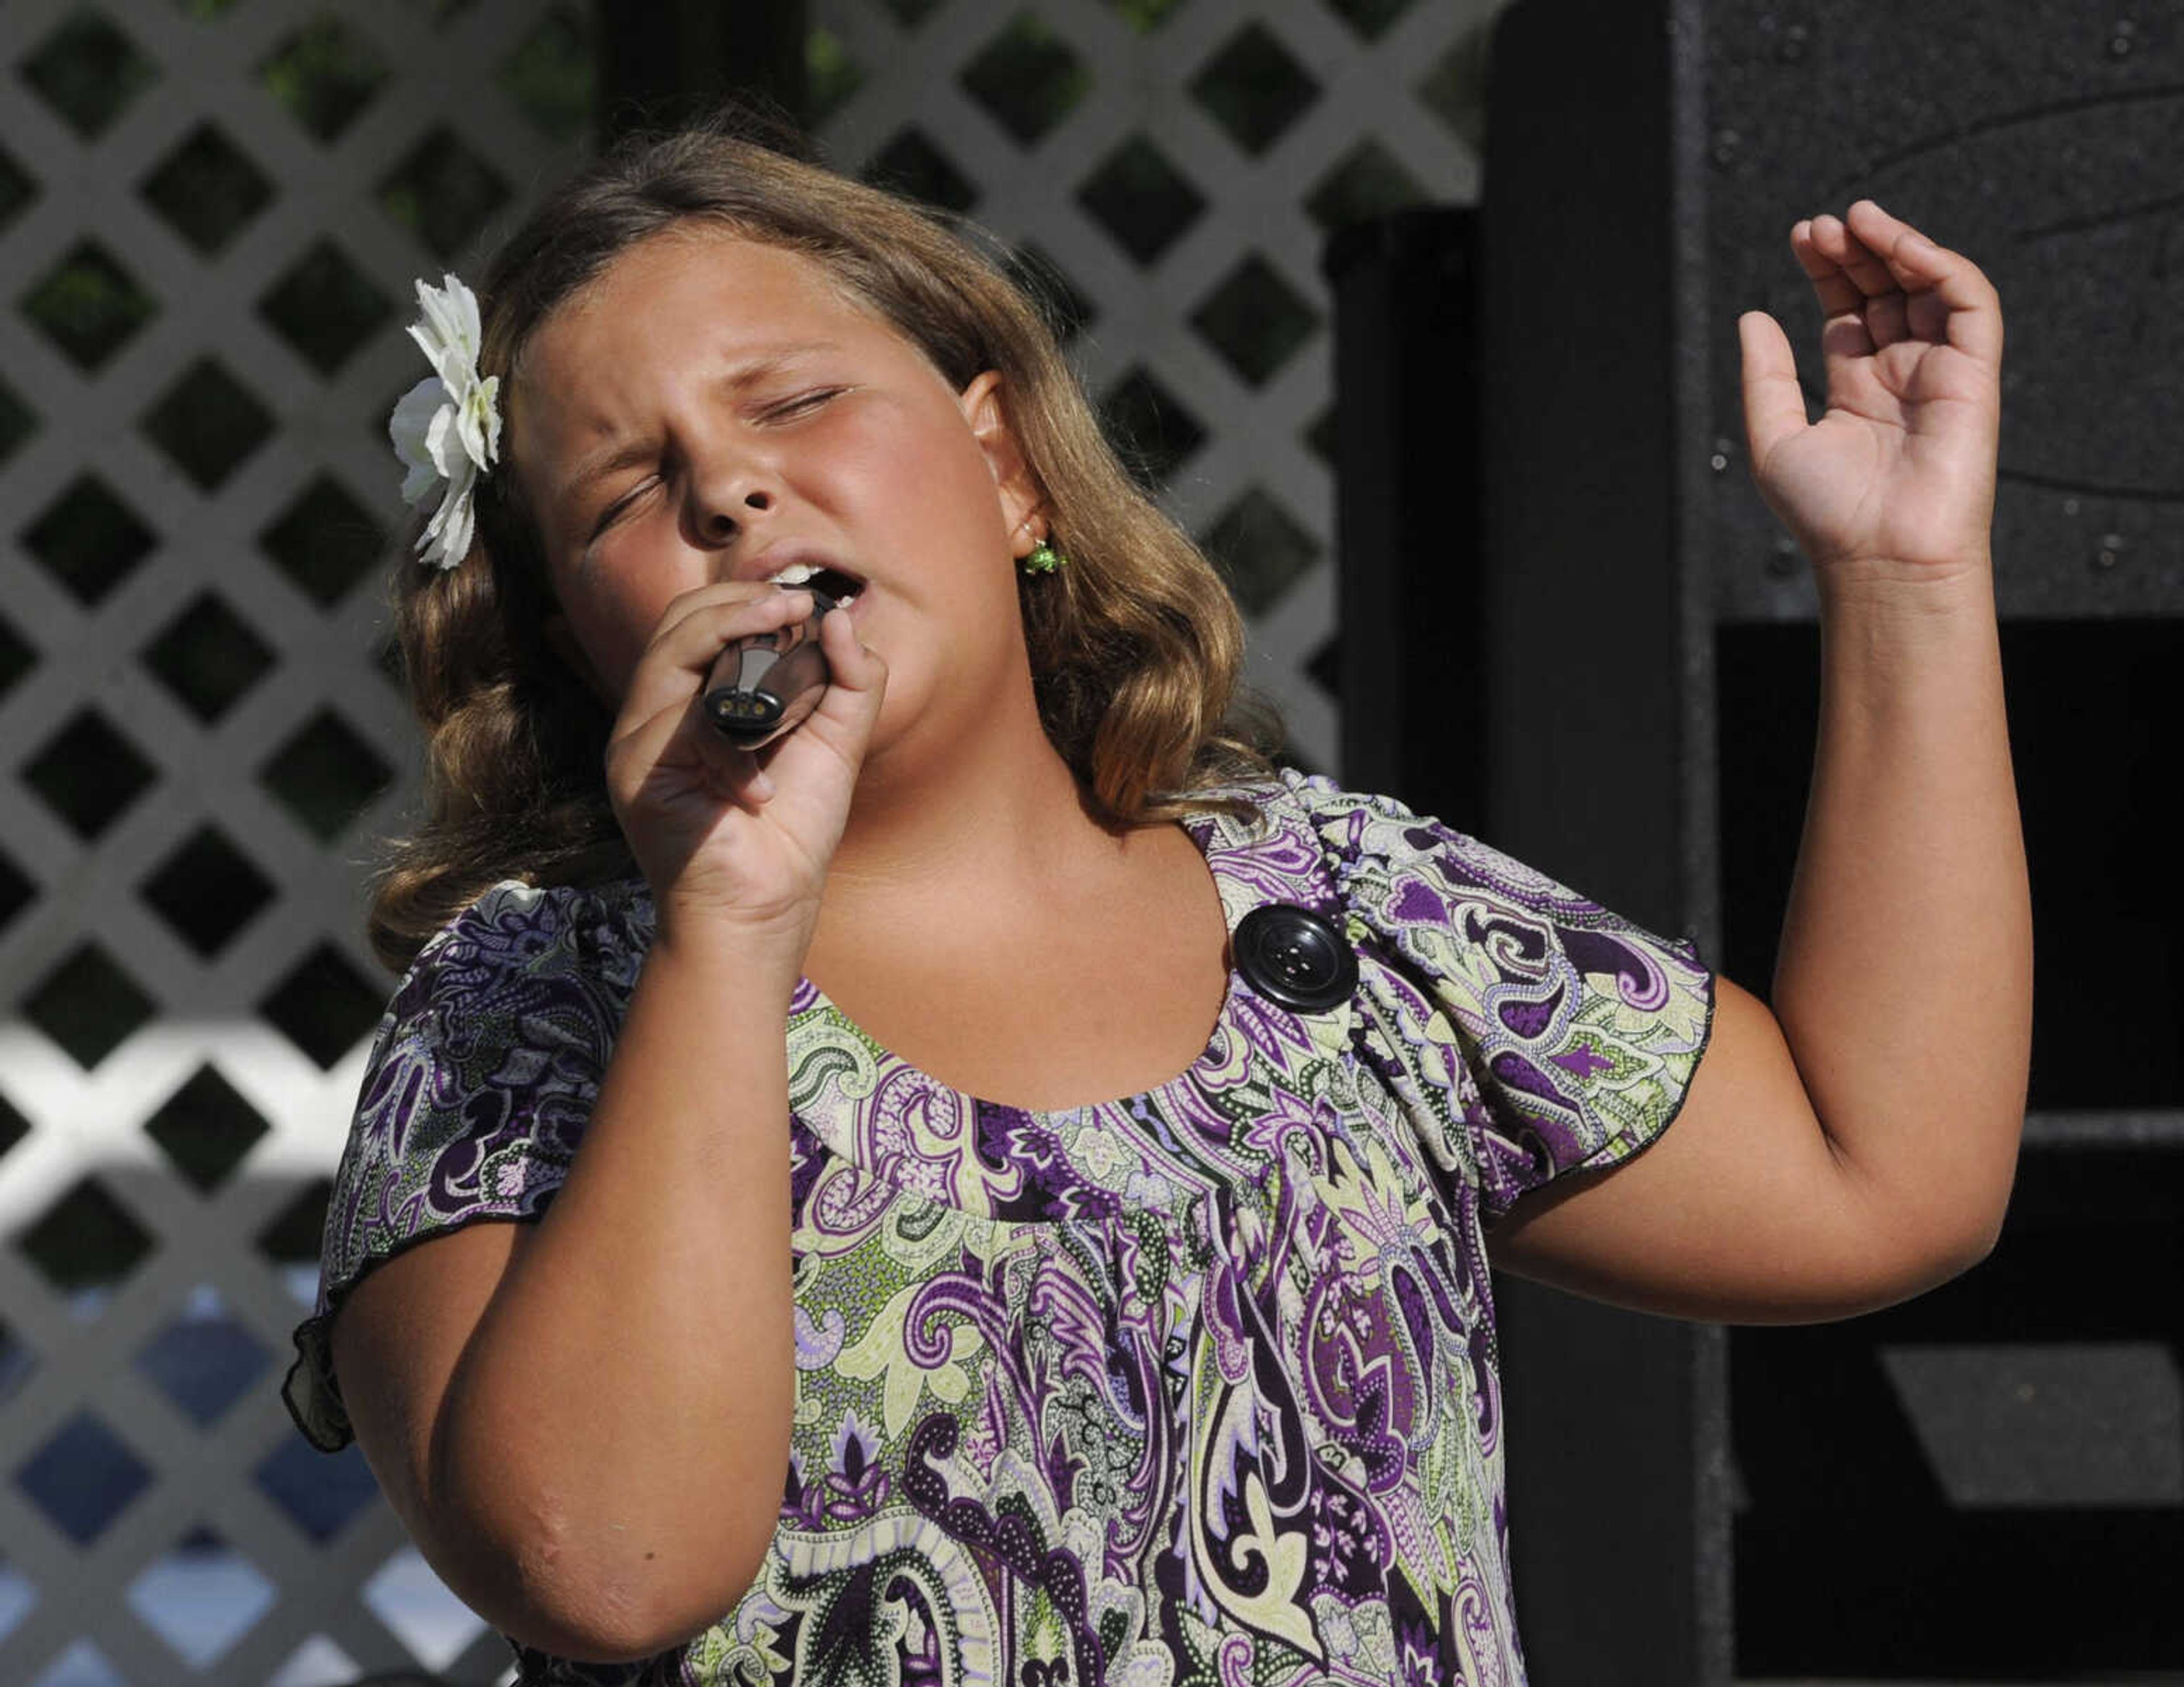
(1044, 560)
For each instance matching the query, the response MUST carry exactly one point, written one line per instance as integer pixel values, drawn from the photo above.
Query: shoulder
(1382, 847)
(516, 927)
(523, 938)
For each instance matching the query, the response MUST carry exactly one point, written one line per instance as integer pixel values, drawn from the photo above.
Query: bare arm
(584, 1423)
(589, 1435)
(1857, 1145)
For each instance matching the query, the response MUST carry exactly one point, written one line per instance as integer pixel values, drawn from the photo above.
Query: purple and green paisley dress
(1197, 1386)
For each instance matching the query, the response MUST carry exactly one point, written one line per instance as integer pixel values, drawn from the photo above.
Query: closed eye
(615, 511)
(803, 401)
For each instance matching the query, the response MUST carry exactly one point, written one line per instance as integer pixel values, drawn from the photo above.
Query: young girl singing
(1004, 1179)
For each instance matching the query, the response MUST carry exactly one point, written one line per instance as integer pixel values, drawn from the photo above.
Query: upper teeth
(795, 574)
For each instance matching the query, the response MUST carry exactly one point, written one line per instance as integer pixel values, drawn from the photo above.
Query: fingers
(1823, 253)
(1773, 403)
(691, 633)
(856, 683)
(1899, 284)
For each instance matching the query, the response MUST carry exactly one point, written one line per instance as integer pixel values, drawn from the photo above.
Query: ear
(1022, 506)
(561, 639)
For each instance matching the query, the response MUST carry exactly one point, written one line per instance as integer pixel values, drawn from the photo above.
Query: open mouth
(836, 585)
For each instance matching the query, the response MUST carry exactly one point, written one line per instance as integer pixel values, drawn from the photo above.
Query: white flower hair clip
(446, 429)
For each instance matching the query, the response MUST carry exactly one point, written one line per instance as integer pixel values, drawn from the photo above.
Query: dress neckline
(1217, 835)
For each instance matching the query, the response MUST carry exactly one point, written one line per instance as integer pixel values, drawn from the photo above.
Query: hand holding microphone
(766, 685)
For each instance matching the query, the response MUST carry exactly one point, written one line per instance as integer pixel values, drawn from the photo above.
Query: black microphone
(763, 686)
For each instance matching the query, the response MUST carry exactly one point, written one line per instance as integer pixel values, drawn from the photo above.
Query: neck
(1002, 810)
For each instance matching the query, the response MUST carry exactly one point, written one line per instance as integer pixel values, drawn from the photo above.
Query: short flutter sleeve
(479, 1084)
(1576, 1032)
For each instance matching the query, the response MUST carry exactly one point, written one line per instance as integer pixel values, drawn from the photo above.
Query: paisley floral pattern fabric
(1196, 1386)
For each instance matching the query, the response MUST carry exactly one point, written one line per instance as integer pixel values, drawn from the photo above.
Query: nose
(725, 500)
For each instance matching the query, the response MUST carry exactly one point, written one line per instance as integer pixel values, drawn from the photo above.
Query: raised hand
(1895, 480)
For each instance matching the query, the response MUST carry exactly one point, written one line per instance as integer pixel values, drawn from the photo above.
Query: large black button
(1295, 957)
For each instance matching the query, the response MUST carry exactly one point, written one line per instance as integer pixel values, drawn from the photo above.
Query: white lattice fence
(210, 213)
(1180, 163)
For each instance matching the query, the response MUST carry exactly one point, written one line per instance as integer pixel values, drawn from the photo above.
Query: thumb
(1773, 403)
(857, 679)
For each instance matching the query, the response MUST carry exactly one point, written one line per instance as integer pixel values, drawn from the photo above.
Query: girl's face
(711, 408)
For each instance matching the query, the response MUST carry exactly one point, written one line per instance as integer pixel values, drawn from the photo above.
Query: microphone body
(763, 687)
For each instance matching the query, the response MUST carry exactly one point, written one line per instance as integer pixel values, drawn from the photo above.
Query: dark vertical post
(1407, 525)
(1613, 1419)
(664, 61)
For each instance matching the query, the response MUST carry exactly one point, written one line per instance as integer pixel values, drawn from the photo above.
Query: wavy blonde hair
(1135, 646)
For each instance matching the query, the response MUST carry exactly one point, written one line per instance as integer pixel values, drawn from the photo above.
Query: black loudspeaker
(1987, 1485)
(1409, 529)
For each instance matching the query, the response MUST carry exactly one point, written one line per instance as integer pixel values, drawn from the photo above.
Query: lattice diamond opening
(17, 1364)
(326, 307)
(1149, 428)
(201, 1597)
(88, 305)
(387, 658)
(1368, 182)
(207, 189)
(87, 1005)
(405, 1595)
(325, 775)
(84, 1478)
(16, 893)
(1254, 88)
(89, 72)
(17, 422)
(206, 423)
(82, 1665)
(910, 164)
(88, 774)
(17, 658)
(1319, 437)
(443, 193)
(831, 76)
(1454, 87)
(1026, 78)
(318, 1493)
(206, 891)
(13, 1126)
(318, 1663)
(324, 1005)
(18, 1594)
(204, 1128)
(1324, 669)
(1370, 18)
(208, 657)
(17, 188)
(549, 76)
(324, 542)
(86, 1241)
(203, 1361)
(292, 1235)
(1144, 16)
(1255, 320)
(324, 74)
(1260, 550)
(1141, 199)
(88, 539)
